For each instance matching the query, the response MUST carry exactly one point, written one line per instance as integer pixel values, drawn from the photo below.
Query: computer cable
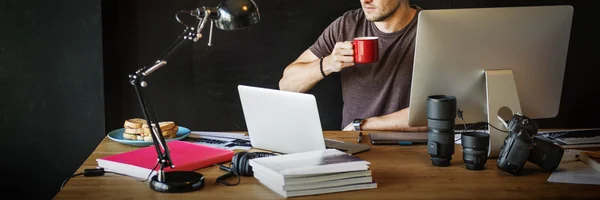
(479, 125)
(460, 115)
(100, 172)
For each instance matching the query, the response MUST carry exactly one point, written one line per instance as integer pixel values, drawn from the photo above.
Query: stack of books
(312, 173)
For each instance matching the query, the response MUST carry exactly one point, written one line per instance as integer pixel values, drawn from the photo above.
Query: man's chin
(374, 16)
(374, 19)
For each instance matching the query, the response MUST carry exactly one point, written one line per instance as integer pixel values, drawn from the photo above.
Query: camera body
(545, 154)
(522, 145)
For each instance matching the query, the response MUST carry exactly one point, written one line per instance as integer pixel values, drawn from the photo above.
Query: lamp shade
(236, 14)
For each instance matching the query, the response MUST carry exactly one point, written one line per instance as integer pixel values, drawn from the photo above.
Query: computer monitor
(490, 58)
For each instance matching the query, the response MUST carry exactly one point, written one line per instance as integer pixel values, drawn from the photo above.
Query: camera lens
(441, 112)
(475, 149)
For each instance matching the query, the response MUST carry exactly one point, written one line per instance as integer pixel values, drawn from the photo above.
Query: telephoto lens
(475, 149)
(441, 112)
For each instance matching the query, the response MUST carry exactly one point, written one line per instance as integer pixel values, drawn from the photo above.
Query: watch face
(357, 121)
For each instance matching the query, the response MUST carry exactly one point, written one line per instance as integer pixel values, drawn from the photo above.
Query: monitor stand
(501, 91)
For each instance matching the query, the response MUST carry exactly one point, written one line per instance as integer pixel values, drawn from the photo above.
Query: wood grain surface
(401, 172)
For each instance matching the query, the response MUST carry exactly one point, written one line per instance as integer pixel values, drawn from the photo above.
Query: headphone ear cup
(235, 161)
(248, 170)
(240, 163)
(243, 164)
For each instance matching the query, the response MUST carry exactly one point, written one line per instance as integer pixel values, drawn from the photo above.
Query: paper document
(575, 172)
(457, 139)
(570, 155)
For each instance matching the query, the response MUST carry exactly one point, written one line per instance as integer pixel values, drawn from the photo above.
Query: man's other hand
(349, 127)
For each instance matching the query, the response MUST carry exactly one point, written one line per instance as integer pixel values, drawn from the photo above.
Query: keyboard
(220, 142)
(581, 140)
(572, 137)
(206, 141)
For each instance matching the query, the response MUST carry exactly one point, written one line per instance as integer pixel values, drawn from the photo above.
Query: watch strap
(356, 123)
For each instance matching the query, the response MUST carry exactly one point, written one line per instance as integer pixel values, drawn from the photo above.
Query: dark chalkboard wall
(197, 88)
(64, 67)
(52, 105)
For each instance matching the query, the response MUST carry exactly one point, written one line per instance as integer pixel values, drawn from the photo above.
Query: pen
(359, 136)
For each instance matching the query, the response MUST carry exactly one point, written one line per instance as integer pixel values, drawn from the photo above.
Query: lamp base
(178, 182)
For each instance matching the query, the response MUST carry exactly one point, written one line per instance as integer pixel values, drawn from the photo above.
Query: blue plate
(117, 136)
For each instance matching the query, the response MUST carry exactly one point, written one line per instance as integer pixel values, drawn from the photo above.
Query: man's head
(379, 10)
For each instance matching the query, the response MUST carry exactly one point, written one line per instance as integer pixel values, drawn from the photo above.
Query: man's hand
(348, 128)
(341, 57)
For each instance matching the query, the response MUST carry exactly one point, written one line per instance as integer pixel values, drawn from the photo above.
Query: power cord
(460, 115)
(480, 124)
(100, 172)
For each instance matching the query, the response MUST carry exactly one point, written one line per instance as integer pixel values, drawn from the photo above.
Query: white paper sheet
(575, 172)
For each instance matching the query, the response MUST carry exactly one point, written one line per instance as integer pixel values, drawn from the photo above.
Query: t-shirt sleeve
(326, 41)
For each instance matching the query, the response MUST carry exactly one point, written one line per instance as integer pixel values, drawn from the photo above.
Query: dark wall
(52, 107)
(197, 88)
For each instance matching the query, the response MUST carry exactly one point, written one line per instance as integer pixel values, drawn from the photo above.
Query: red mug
(366, 49)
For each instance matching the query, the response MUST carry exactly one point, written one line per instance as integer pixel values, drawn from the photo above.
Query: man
(375, 95)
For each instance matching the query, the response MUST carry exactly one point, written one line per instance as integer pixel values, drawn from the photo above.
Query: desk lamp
(228, 15)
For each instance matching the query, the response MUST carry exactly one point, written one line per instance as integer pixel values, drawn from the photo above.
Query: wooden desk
(402, 172)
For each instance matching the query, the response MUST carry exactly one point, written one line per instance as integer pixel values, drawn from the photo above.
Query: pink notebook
(186, 156)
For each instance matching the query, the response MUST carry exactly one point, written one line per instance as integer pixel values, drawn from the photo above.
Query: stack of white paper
(311, 173)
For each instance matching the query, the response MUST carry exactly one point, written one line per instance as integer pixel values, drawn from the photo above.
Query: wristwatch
(356, 123)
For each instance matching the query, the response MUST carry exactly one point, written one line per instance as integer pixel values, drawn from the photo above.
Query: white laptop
(286, 122)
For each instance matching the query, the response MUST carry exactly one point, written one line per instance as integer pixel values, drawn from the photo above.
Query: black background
(64, 67)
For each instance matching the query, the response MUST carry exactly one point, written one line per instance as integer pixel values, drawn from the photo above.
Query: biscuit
(134, 123)
(166, 125)
(149, 138)
(164, 133)
(135, 131)
(129, 136)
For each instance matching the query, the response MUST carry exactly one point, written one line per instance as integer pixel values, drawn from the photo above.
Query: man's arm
(304, 73)
(397, 121)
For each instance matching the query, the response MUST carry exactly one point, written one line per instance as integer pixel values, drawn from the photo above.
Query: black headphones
(240, 166)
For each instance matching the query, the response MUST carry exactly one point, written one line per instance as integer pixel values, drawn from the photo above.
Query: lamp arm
(158, 140)
(137, 80)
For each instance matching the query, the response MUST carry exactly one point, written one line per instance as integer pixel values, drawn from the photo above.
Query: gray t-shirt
(378, 88)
